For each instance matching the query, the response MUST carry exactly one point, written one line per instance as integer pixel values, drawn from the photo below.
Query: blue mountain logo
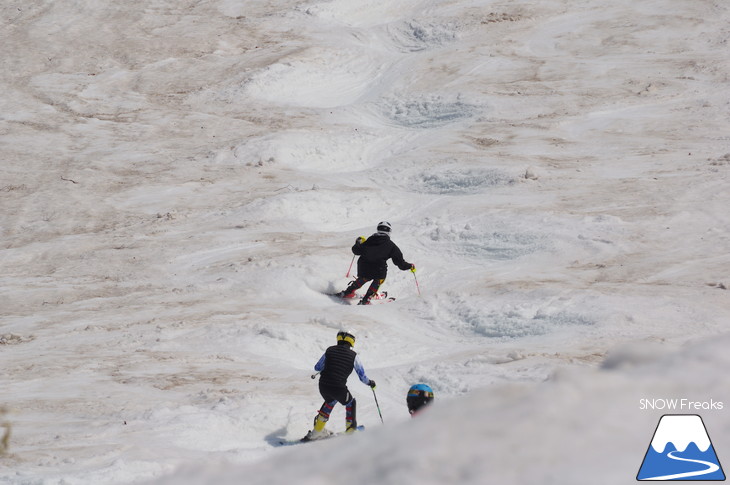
(681, 450)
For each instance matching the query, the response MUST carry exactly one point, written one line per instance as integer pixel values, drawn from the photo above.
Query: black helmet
(384, 226)
(346, 337)
(418, 396)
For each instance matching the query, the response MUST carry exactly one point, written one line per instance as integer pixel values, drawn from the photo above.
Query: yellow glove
(360, 240)
(413, 268)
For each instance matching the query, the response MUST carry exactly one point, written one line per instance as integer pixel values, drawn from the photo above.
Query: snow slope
(181, 180)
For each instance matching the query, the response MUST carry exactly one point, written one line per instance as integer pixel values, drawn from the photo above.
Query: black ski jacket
(338, 365)
(374, 255)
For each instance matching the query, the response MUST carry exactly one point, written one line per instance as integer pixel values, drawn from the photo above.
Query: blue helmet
(418, 396)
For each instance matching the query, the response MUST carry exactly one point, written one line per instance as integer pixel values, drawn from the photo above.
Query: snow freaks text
(679, 404)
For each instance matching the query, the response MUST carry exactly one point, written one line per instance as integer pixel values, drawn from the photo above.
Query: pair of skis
(381, 297)
(326, 434)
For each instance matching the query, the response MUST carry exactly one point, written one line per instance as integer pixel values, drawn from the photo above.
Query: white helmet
(384, 226)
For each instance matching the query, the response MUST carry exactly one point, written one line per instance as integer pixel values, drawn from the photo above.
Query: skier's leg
(354, 285)
(323, 415)
(372, 291)
(351, 416)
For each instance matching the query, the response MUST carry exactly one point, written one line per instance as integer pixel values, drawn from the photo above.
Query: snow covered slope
(180, 180)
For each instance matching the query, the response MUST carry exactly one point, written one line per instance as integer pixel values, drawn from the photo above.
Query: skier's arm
(357, 247)
(361, 371)
(397, 257)
(319, 366)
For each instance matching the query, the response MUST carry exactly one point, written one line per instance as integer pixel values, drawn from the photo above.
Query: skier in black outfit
(335, 366)
(374, 253)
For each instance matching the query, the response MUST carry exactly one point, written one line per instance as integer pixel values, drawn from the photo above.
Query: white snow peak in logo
(680, 450)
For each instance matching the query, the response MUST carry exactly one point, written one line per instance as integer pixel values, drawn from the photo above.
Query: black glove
(371, 383)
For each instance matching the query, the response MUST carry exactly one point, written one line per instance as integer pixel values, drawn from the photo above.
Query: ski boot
(348, 292)
(318, 431)
(366, 299)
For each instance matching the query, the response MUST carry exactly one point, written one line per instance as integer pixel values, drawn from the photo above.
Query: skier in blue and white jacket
(335, 366)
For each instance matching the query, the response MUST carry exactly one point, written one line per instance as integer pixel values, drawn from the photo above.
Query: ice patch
(455, 181)
(487, 243)
(507, 236)
(427, 111)
(511, 323)
(413, 36)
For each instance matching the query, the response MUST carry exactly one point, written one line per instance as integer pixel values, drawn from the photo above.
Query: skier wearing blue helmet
(419, 396)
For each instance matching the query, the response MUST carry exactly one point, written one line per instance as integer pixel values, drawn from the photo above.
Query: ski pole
(413, 270)
(378, 406)
(350, 268)
(314, 376)
(359, 240)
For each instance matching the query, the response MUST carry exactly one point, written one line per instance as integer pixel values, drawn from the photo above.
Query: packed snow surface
(180, 181)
